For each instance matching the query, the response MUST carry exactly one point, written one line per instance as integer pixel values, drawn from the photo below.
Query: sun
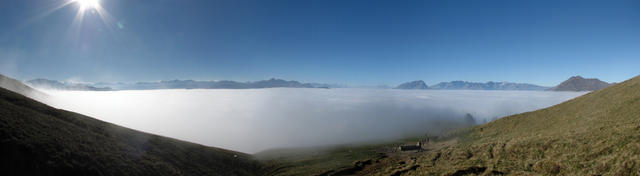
(88, 4)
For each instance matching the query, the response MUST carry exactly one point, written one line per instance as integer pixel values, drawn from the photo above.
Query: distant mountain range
(578, 83)
(465, 85)
(178, 84)
(575, 83)
(57, 85)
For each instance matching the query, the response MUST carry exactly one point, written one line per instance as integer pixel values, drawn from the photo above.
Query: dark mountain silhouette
(578, 83)
(419, 84)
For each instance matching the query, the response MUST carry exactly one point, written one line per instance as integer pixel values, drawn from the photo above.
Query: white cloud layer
(252, 120)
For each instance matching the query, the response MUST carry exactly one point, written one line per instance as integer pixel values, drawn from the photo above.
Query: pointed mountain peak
(578, 83)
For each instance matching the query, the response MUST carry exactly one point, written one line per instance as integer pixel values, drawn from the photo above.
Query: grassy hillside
(595, 134)
(337, 160)
(36, 139)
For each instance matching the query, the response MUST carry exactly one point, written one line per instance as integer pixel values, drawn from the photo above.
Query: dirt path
(400, 162)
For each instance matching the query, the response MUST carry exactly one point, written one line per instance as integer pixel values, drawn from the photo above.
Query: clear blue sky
(356, 42)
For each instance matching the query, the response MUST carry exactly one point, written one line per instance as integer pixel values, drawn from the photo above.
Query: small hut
(418, 146)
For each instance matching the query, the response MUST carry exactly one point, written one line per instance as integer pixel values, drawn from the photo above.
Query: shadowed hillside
(36, 139)
(595, 134)
(17, 86)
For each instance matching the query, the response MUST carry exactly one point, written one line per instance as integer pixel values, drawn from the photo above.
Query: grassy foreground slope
(36, 139)
(595, 134)
(334, 160)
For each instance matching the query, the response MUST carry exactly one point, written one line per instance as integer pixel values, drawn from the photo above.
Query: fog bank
(252, 120)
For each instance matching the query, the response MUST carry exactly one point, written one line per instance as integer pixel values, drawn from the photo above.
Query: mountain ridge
(57, 85)
(418, 84)
(467, 85)
(222, 84)
(578, 83)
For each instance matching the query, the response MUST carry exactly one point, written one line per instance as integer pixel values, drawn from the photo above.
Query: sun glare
(95, 9)
(88, 4)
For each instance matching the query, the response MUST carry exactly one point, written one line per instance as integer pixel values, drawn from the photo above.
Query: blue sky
(354, 42)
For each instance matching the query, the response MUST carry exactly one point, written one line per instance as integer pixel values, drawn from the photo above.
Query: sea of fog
(253, 120)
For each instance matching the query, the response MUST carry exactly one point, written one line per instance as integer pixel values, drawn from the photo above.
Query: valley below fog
(253, 120)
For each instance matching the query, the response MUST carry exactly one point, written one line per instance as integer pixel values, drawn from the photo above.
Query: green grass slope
(595, 134)
(335, 160)
(36, 139)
